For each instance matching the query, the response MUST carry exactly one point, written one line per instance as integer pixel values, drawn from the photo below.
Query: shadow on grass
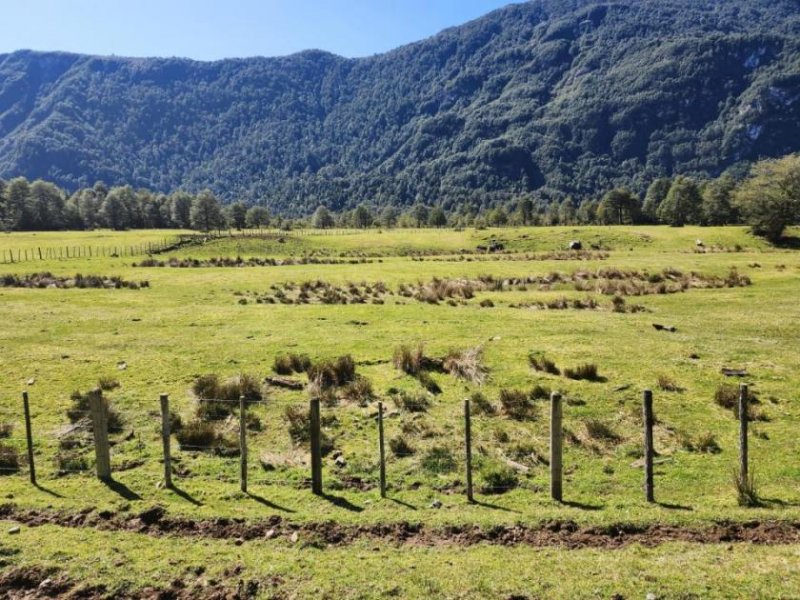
(340, 502)
(402, 503)
(41, 488)
(775, 502)
(789, 243)
(491, 506)
(121, 489)
(267, 503)
(582, 505)
(185, 495)
(669, 506)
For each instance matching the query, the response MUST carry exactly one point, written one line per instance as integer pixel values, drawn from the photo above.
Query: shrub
(439, 459)
(299, 424)
(333, 373)
(197, 435)
(409, 360)
(360, 391)
(401, 447)
(81, 408)
(517, 405)
(598, 430)
(707, 444)
(727, 396)
(213, 410)
(539, 362)
(498, 479)
(467, 364)
(487, 303)
(746, 489)
(209, 387)
(9, 460)
(71, 462)
(107, 384)
(540, 392)
(667, 384)
(287, 364)
(206, 387)
(586, 372)
(415, 403)
(480, 405)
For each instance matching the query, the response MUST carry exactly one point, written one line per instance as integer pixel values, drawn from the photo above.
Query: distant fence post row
(19, 255)
(99, 417)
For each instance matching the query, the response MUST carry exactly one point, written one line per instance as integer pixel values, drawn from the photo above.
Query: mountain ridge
(544, 98)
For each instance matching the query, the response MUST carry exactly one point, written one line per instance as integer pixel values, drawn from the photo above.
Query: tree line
(768, 199)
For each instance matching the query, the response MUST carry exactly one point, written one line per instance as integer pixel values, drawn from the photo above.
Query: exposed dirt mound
(567, 534)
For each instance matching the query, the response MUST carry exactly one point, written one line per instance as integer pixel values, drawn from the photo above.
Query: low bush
(287, 364)
(71, 462)
(197, 435)
(298, 418)
(480, 405)
(540, 392)
(746, 489)
(539, 362)
(498, 479)
(517, 405)
(467, 364)
(415, 403)
(359, 391)
(401, 447)
(81, 409)
(585, 372)
(107, 384)
(707, 444)
(209, 387)
(9, 460)
(333, 373)
(409, 360)
(213, 410)
(667, 384)
(439, 460)
(727, 397)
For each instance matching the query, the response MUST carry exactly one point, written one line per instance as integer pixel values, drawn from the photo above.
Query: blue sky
(214, 29)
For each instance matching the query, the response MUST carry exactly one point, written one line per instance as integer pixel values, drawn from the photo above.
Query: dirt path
(565, 534)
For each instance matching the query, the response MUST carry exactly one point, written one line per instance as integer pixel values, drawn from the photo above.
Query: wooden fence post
(243, 443)
(102, 450)
(649, 451)
(468, 446)
(743, 419)
(556, 447)
(316, 448)
(29, 437)
(165, 437)
(382, 449)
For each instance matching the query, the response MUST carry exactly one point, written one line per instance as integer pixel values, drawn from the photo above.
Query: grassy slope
(189, 323)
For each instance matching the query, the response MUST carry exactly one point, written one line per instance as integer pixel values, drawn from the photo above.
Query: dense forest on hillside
(548, 99)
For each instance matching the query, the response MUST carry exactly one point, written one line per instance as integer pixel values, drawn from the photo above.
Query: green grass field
(195, 321)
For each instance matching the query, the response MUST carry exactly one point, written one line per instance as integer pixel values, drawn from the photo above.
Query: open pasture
(393, 288)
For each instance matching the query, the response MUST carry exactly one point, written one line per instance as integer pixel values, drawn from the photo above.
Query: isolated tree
(257, 217)
(717, 207)
(525, 209)
(420, 214)
(437, 218)
(618, 207)
(388, 217)
(237, 213)
(180, 206)
(655, 195)
(322, 219)
(769, 199)
(362, 217)
(682, 204)
(206, 213)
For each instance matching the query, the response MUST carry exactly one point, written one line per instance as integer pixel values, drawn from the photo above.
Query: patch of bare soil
(566, 534)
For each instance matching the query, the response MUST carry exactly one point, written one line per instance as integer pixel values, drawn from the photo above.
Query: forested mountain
(549, 98)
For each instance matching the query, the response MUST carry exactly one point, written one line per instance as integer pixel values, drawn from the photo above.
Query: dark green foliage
(586, 372)
(517, 405)
(498, 479)
(551, 98)
(9, 460)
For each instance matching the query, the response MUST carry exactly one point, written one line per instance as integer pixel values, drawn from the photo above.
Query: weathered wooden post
(382, 449)
(468, 446)
(743, 420)
(165, 437)
(102, 449)
(649, 451)
(243, 443)
(316, 448)
(556, 447)
(29, 437)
